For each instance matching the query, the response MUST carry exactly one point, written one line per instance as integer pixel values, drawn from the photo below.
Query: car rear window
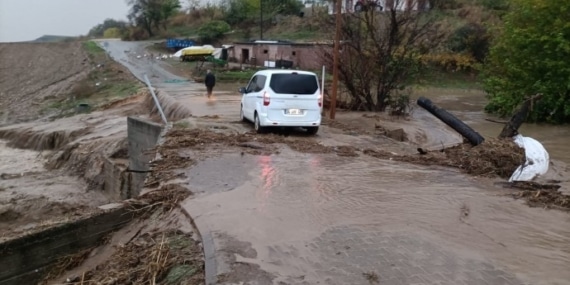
(289, 83)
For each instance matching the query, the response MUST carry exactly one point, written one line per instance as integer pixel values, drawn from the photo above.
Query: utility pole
(260, 19)
(336, 48)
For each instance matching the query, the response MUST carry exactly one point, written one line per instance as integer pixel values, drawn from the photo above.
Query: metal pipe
(155, 100)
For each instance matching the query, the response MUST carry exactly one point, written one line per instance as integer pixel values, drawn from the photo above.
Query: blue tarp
(177, 43)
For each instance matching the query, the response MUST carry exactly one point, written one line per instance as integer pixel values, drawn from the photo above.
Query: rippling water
(291, 198)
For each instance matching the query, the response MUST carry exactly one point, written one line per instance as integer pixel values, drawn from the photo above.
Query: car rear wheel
(312, 130)
(257, 125)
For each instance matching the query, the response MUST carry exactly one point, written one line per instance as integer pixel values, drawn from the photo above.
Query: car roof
(268, 72)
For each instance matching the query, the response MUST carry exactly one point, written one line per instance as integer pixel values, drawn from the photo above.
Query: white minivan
(282, 98)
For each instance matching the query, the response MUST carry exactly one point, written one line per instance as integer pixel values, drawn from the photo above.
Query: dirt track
(32, 72)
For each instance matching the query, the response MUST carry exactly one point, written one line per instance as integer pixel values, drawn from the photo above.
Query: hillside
(43, 79)
(52, 39)
(34, 72)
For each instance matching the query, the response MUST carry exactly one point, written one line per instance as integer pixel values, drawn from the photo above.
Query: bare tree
(380, 51)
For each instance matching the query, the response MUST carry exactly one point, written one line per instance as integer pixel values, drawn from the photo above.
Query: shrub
(495, 4)
(213, 31)
(449, 61)
(399, 103)
(112, 33)
(471, 38)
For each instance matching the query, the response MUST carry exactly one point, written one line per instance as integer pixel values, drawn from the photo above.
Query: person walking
(210, 82)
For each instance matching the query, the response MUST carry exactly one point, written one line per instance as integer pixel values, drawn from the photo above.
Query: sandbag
(537, 159)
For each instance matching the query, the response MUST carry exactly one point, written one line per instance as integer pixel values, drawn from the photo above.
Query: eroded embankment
(99, 157)
(55, 172)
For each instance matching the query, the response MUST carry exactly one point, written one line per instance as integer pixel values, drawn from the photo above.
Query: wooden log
(511, 129)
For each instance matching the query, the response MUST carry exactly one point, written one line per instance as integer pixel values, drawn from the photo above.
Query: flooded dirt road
(321, 219)
(301, 218)
(138, 60)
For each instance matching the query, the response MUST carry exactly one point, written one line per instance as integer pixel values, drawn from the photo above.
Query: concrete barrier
(26, 260)
(143, 137)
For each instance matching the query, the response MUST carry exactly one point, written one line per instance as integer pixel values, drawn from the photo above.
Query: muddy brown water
(284, 206)
(467, 105)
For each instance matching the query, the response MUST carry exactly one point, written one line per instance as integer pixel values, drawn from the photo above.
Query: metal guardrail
(156, 102)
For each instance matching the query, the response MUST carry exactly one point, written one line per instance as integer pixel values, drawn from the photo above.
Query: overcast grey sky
(23, 20)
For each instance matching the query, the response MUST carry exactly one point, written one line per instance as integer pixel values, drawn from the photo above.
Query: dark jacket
(210, 80)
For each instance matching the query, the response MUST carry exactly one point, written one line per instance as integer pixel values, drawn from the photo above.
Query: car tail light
(265, 99)
(320, 100)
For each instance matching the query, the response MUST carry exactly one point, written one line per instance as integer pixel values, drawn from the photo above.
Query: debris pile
(170, 257)
(545, 198)
(158, 253)
(494, 157)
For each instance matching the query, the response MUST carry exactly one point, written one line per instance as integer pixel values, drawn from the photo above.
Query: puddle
(218, 174)
(294, 199)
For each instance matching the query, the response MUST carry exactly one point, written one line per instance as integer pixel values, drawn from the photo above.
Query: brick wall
(303, 56)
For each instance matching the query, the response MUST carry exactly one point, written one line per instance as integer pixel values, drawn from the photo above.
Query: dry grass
(544, 198)
(165, 198)
(66, 263)
(159, 255)
(151, 258)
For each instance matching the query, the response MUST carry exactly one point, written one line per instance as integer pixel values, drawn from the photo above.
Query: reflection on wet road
(305, 215)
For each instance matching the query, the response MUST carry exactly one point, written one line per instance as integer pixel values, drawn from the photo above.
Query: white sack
(537, 159)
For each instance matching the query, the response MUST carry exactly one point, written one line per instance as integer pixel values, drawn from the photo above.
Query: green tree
(213, 30)
(152, 14)
(472, 39)
(112, 33)
(531, 56)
